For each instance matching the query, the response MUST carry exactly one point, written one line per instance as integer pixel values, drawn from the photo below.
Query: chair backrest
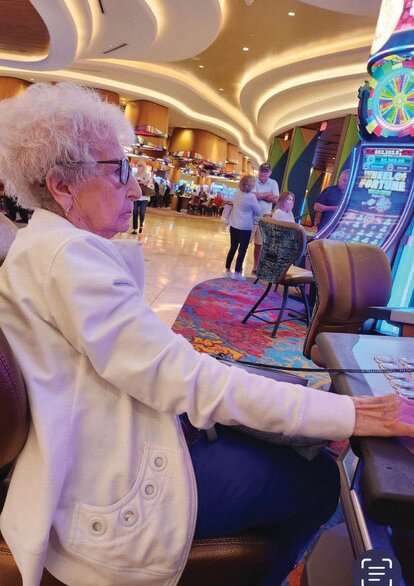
(283, 244)
(8, 233)
(14, 411)
(350, 278)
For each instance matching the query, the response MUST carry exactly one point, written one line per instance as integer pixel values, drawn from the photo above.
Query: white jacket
(103, 492)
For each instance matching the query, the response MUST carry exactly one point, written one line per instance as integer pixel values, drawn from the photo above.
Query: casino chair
(236, 560)
(283, 244)
(350, 278)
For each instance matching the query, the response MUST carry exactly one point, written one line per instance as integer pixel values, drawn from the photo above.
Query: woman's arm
(95, 303)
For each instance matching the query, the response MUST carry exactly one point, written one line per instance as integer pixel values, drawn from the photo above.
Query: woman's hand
(386, 416)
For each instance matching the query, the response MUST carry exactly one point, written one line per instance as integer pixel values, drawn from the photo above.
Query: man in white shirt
(267, 193)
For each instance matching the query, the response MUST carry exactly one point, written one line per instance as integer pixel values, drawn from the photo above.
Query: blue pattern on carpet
(211, 320)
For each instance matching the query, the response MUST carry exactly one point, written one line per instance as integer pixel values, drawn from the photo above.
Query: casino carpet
(211, 320)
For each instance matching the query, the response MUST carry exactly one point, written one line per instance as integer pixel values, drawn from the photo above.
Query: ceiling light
(221, 89)
(245, 49)
(201, 66)
(291, 13)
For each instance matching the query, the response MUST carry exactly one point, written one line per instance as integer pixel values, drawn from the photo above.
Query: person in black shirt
(330, 198)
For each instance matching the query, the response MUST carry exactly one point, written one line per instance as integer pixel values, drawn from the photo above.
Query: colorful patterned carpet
(211, 320)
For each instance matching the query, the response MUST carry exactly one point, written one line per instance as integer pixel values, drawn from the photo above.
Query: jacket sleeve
(95, 304)
(255, 206)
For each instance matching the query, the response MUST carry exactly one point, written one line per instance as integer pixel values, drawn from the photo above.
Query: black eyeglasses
(124, 168)
(123, 164)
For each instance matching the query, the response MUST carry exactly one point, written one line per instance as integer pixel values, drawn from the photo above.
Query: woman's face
(287, 205)
(103, 205)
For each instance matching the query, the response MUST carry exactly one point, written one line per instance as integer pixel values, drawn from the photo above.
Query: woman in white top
(245, 211)
(140, 205)
(106, 490)
(283, 211)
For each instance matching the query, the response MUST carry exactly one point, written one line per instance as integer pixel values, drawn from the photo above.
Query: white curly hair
(247, 183)
(53, 126)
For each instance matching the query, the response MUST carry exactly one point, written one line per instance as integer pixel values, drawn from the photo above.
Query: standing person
(164, 193)
(284, 207)
(146, 183)
(180, 194)
(158, 197)
(243, 215)
(266, 192)
(106, 490)
(330, 198)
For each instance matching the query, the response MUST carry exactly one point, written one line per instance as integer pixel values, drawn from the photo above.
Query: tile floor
(181, 251)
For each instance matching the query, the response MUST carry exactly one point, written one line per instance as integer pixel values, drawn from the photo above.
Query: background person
(284, 207)
(106, 490)
(146, 183)
(266, 192)
(158, 196)
(165, 191)
(242, 217)
(330, 198)
(180, 191)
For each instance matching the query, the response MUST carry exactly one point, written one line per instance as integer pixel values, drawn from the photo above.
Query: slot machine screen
(377, 195)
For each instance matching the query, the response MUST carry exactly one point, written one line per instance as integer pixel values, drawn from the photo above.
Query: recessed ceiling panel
(22, 30)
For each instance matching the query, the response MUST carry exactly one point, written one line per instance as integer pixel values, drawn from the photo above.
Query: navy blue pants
(243, 483)
(239, 239)
(139, 206)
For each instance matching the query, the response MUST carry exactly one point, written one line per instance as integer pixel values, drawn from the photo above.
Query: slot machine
(377, 475)
(377, 207)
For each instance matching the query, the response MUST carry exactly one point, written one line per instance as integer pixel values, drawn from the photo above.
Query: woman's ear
(61, 191)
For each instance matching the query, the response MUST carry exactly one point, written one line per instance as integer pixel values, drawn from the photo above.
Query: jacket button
(158, 463)
(97, 526)
(150, 490)
(129, 516)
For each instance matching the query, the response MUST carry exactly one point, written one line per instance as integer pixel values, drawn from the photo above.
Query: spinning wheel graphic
(390, 105)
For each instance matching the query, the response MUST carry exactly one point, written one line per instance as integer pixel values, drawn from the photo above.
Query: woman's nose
(134, 190)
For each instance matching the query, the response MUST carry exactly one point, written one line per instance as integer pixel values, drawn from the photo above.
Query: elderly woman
(244, 212)
(284, 207)
(106, 490)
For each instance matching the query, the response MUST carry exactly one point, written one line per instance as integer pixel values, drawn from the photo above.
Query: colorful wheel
(390, 107)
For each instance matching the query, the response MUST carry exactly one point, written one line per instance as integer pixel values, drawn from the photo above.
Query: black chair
(283, 244)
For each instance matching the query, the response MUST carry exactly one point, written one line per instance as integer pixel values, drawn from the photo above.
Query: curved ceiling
(349, 7)
(188, 55)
